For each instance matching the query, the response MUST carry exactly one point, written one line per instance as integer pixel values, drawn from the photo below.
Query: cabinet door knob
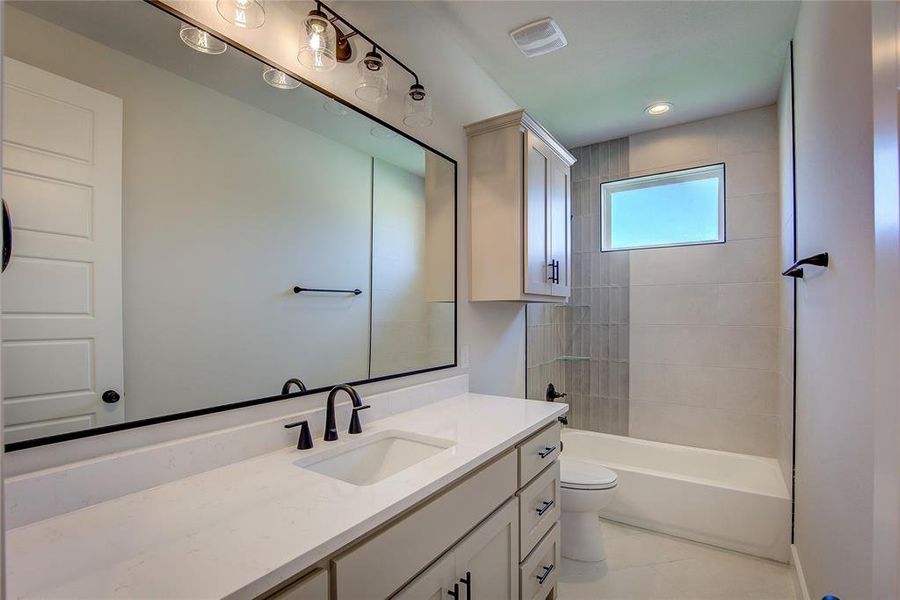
(110, 396)
(468, 581)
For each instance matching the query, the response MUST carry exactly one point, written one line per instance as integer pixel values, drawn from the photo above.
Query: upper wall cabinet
(520, 195)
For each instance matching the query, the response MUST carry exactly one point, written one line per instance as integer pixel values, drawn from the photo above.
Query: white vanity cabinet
(492, 535)
(520, 216)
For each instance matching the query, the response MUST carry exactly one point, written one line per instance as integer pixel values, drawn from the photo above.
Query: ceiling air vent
(538, 38)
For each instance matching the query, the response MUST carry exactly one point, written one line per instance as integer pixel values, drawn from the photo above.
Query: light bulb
(318, 42)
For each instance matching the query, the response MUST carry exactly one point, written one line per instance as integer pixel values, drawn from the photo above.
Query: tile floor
(643, 565)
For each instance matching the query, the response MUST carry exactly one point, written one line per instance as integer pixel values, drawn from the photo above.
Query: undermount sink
(369, 460)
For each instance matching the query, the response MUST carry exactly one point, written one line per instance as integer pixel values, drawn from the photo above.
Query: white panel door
(62, 292)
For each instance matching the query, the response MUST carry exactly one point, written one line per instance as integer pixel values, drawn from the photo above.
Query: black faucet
(330, 426)
(286, 388)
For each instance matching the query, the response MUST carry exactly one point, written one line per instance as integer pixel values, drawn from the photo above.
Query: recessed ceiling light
(658, 108)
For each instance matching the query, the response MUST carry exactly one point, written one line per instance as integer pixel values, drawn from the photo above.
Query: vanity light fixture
(658, 108)
(318, 48)
(323, 45)
(373, 78)
(279, 79)
(249, 14)
(418, 107)
(200, 40)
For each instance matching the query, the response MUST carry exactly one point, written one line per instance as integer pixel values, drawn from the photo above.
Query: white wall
(785, 395)
(836, 309)
(400, 315)
(886, 101)
(704, 319)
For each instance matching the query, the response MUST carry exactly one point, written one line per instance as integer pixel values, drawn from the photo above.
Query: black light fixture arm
(354, 31)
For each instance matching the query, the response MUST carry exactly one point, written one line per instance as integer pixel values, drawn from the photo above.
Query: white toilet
(585, 489)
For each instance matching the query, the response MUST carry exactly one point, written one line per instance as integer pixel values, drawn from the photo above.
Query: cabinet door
(435, 583)
(312, 587)
(537, 169)
(488, 558)
(559, 210)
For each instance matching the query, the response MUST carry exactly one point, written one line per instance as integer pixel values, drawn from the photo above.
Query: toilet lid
(582, 475)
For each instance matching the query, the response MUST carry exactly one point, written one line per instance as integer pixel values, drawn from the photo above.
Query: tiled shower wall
(582, 347)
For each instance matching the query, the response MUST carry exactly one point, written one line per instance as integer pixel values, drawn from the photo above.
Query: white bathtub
(735, 501)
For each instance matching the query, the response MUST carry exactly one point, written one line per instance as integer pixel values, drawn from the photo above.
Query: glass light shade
(248, 14)
(318, 43)
(200, 40)
(383, 133)
(373, 79)
(279, 79)
(336, 108)
(418, 107)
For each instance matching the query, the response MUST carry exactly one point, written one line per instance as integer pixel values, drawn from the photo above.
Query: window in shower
(679, 208)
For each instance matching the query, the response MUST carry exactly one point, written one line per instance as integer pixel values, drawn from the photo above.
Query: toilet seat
(581, 475)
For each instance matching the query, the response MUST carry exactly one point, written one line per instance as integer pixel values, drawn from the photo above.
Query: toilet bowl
(585, 489)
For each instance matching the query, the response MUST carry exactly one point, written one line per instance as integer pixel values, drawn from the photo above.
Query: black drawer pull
(454, 593)
(547, 451)
(547, 570)
(545, 507)
(468, 581)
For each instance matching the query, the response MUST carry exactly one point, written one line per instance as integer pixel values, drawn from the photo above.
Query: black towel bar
(298, 289)
(796, 269)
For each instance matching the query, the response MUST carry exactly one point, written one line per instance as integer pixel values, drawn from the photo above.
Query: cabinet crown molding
(523, 119)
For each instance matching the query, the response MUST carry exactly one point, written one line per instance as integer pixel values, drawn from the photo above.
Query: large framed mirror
(188, 237)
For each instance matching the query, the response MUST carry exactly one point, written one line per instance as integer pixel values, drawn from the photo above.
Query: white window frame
(634, 183)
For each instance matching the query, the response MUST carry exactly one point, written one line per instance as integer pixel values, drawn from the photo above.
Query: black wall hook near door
(298, 289)
(796, 270)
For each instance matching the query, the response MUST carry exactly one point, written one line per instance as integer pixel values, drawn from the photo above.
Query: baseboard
(797, 571)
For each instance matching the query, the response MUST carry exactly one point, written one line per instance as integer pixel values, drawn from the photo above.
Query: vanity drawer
(382, 564)
(538, 508)
(539, 572)
(537, 452)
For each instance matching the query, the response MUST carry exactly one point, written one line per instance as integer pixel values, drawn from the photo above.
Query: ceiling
(707, 58)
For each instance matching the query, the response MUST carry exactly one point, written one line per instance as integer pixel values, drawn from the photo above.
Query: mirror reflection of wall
(164, 216)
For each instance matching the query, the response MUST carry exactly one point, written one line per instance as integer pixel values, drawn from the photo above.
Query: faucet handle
(355, 426)
(304, 442)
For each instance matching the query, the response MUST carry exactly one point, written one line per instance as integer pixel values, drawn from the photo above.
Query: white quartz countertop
(239, 530)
